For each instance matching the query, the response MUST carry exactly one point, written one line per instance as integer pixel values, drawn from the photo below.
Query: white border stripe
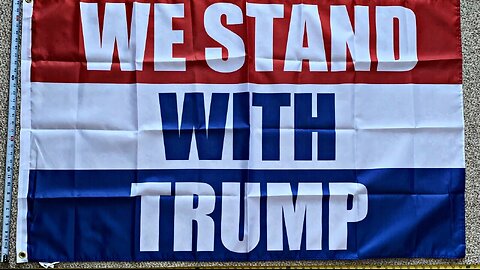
(21, 244)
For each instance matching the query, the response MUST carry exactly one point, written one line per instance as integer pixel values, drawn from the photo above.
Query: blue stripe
(89, 215)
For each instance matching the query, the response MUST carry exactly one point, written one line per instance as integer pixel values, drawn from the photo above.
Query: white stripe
(23, 177)
(118, 126)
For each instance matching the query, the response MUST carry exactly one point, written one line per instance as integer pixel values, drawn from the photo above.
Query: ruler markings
(12, 111)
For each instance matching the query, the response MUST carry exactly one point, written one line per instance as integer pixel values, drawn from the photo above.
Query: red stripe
(58, 54)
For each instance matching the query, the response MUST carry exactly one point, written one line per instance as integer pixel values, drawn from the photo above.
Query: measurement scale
(12, 109)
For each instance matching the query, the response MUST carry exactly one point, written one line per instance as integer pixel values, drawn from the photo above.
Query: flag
(241, 130)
